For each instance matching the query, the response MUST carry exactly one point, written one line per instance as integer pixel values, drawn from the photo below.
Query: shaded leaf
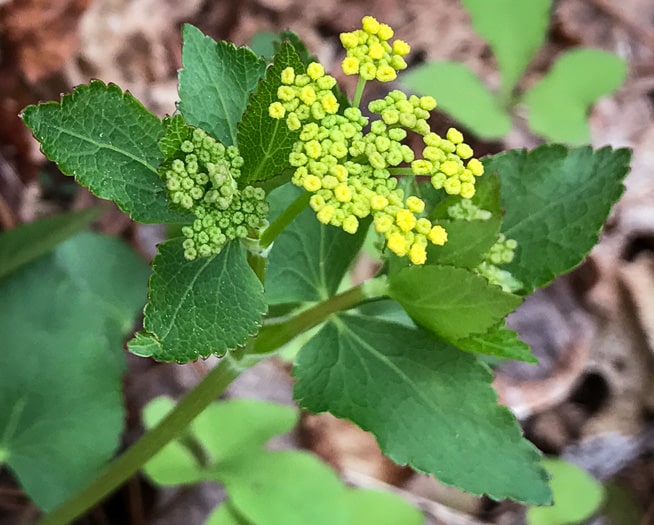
(108, 141)
(63, 321)
(381, 508)
(215, 83)
(499, 341)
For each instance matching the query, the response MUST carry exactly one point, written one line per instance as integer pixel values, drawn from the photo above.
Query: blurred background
(590, 400)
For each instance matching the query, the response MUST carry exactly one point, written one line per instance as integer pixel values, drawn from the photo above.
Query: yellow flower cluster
(347, 170)
(304, 96)
(369, 53)
(442, 158)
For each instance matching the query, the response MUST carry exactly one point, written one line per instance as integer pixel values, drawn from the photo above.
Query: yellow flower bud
(397, 244)
(385, 32)
(313, 149)
(423, 226)
(421, 167)
(418, 254)
(454, 136)
(351, 224)
(315, 70)
(317, 202)
(401, 48)
(288, 76)
(378, 202)
(476, 167)
(437, 235)
(370, 25)
(383, 222)
(312, 183)
(376, 51)
(350, 65)
(343, 193)
(450, 167)
(368, 71)
(467, 190)
(329, 103)
(386, 73)
(340, 172)
(349, 40)
(415, 204)
(308, 95)
(464, 151)
(405, 219)
(325, 215)
(276, 110)
(452, 186)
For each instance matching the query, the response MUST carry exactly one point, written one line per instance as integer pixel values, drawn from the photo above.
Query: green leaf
(559, 103)
(225, 514)
(223, 432)
(285, 488)
(381, 508)
(499, 341)
(201, 307)
(215, 83)
(308, 259)
(461, 95)
(263, 43)
(467, 242)
(266, 142)
(108, 141)
(30, 241)
(577, 496)
(556, 201)
(451, 302)
(515, 30)
(176, 131)
(292, 38)
(61, 363)
(428, 404)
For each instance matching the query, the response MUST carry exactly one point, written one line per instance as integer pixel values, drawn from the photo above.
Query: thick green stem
(358, 93)
(281, 222)
(125, 466)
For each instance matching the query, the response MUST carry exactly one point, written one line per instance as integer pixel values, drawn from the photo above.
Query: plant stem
(407, 172)
(358, 93)
(125, 466)
(259, 264)
(281, 222)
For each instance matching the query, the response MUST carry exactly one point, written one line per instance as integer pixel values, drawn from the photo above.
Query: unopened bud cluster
(502, 252)
(202, 179)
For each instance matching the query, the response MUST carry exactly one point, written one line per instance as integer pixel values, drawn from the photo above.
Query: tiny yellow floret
(423, 226)
(450, 167)
(350, 65)
(329, 103)
(438, 235)
(418, 254)
(315, 70)
(312, 183)
(276, 110)
(464, 151)
(385, 32)
(343, 193)
(376, 51)
(415, 204)
(476, 167)
(454, 136)
(349, 40)
(386, 73)
(325, 215)
(406, 220)
(397, 244)
(351, 224)
(370, 25)
(383, 222)
(308, 95)
(400, 47)
(467, 190)
(378, 202)
(288, 76)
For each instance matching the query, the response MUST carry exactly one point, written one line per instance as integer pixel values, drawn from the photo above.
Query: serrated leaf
(556, 201)
(559, 103)
(223, 432)
(306, 57)
(428, 404)
(266, 142)
(451, 302)
(577, 496)
(309, 259)
(201, 307)
(61, 363)
(30, 241)
(499, 341)
(381, 508)
(176, 131)
(461, 95)
(108, 141)
(285, 488)
(515, 30)
(215, 83)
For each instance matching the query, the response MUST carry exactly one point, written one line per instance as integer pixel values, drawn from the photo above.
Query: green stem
(281, 222)
(124, 467)
(405, 172)
(259, 263)
(358, 93)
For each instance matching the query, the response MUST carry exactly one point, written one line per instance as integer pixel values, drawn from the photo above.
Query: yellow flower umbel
(348, 163)
(369, 53)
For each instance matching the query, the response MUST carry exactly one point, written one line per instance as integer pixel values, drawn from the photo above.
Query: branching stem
(281, 222)
(358, 93)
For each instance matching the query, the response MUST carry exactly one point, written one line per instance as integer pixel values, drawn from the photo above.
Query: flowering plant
(276, 179)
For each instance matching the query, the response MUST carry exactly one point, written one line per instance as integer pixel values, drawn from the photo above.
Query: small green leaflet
(201, 307)
(62, 326)
(515, 30)
(499, 341)
(451, 302)
(308, 259)
(428, 404)
(215, 83)
(461, 94)
(108, 141)
(559, 103)
(556, 202)
(27, 242)
(467, 242)
(264, 141)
